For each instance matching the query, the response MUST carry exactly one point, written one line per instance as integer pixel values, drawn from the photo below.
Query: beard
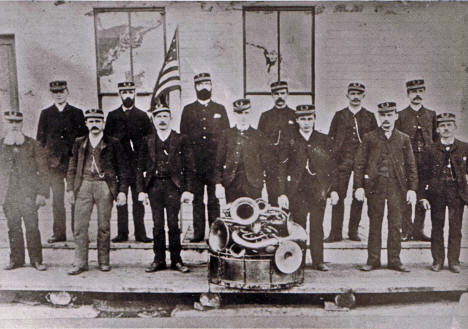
(14, 138)
(203, 94)
(128, 102)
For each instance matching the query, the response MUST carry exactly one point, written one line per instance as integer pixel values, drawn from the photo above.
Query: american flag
(169, 76)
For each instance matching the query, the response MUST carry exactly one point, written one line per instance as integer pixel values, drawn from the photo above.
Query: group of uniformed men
(412, 153)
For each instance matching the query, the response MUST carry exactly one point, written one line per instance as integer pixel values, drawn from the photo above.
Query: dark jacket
(113, 162)
(204, 125)
(402, 157)
(181, 161)
(129, 130)
(57, 132)
(323, 163)
(31, 166)
(434, 162)
(230, 146)
(277, 124)
(408, 123)
(343, 121)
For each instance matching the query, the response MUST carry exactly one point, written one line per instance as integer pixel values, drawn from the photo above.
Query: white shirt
(416, 107)
(306, 135)
(205, 102)
(354, 111)
(95, 139)
(163, 134)
(61, 107)
(447, 141)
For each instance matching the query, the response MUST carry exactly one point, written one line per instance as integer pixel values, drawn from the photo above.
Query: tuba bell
(244, 211)
(220, 236)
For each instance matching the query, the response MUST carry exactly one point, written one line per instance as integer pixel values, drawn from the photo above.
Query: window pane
(6, 101)
(261, 50)
(296, 49)
(148, 48)
(113, 49)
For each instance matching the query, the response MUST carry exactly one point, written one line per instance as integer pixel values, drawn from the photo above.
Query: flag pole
(180, 71)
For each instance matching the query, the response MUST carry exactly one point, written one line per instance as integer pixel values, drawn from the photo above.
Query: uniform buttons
(204, 119)
(61, 137)
(204, 137)
(204, 128)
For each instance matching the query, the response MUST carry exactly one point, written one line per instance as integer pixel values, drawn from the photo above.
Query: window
(278, 45)
(8, 78)
(130, 46)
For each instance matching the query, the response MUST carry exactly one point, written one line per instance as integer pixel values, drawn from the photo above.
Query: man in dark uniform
(276, 124)
(129, 125)
(420, 124)
(59, 125)
(347, 129)
(241, 159)
(97, 175)
(23, 181)
(165, 174)
(444, 178)
(203, 121)
(308, 179)
(385, 169)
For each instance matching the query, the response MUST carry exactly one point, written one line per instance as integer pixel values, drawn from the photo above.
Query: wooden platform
(125, 279)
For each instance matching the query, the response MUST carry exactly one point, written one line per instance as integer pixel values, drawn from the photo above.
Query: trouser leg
(376, 204)
(336, 231)
(419, 216)
(122, 220)
(395, 202)
(317, 209)
(138, 210)
(15, 233)
(104, 202)
(57, 185)
(437, 232)
(172, 211)
(199, 218)
(355, 216)
(33, 236)
(213, 202)
(455, 231)
(407, 222)
(83, 208)
(157, 201)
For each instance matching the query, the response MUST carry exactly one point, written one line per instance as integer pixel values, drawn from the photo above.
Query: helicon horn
(288, 257)
(244, 211)
(219, 236)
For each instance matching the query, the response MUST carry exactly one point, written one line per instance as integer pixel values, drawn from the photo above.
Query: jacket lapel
(81, 156)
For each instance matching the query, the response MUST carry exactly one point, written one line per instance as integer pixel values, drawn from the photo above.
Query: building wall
(381, 44)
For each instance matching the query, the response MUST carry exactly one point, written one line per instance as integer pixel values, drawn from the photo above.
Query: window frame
(129, 10)
(9, 40)
(278, 9)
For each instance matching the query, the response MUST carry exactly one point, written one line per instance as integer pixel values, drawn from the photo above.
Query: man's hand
(220, 192)
(121, 199)
(186, 197)
(283, 201)
(334, 197)
(359, 194)
(411, 197)
(143, 197)
(425, 203)
(71, 197)
(40, 200)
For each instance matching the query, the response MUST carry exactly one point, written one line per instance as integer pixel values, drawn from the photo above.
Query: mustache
(418, 98)
(386, 122)
(94, 128)
(355, 99)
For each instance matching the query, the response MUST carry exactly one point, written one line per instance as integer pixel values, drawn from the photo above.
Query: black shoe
(104, 268)
(399, 268)
(120, 238)
(55, 239)
(455, 268)
(368, 267)
(320, 267)
(180, 267)
(39, 266)
(143, 239)
(12, 266)
(75, 270)
(421, 237)
(332, 239)
(154, 267)
(195, 240)
(354, 237)
(436, 267)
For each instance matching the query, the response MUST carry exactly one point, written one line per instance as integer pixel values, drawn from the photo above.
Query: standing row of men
(300, 166)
